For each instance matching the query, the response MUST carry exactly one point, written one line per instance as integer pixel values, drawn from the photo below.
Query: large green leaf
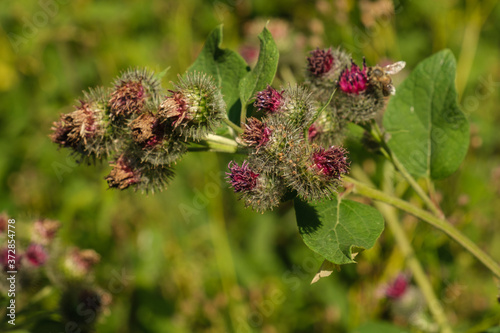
(265, 69)
(338, 229)
(226, 66)
(429, 133)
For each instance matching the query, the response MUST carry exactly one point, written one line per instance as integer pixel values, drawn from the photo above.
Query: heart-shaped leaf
(338, 229)
(429, 134)
(226, 66)
(263, 72)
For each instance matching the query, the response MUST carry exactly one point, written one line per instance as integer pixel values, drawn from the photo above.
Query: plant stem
(243, 113)
(235, 127)
(412, 261)
(217, 143)
(377, 134)
(318, 113)
(438, 223)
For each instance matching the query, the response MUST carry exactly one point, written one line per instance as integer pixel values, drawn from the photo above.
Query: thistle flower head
(397, 288)
(175, 109)
(268, 100)
(85, 130)
(45, 230)
(36, 254)
(147, 130)
(124, 173)
(241, 178)
(353, 80)
(331, 162)
(298, 105)
(76, 128)
(320, 62)
(195, 108)
(79, 263)
(256, 133)
(131, 93)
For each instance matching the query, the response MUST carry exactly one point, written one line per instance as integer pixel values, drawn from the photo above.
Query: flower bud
(281, 141)
(45, 230)
(78, 263)
(268, 100)
(132, 90)
(261, 191)
(256, 133)
(36, 254)
(298, 106)
(323, 70)
(315, 172)
(85, 130)
(124, 173)
(196, 108)
(357, 100)
(130, 170)
(320, 62)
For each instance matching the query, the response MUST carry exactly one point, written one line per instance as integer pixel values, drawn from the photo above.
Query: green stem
(306, 129)
(377, 134)
(217, 143)
(412, 261)
(438, 223)
(235, 127)
(243, 113)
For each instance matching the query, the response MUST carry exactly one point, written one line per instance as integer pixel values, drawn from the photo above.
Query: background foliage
(192, 259)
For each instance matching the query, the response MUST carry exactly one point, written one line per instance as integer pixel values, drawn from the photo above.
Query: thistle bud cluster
(40, 262)
(141, 127)
(281, 159)
(360, 92)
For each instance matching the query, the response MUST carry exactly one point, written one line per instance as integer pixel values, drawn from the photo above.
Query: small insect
(380, 77)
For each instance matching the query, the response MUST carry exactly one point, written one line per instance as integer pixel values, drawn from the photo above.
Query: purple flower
(242, 179)
(397, 288)
(36, 254)
(320, 62)
(354, 80)
(268, 99)
(256, 133)
(331, 162)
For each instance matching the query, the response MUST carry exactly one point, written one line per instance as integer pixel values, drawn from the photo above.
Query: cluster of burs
(293, 138)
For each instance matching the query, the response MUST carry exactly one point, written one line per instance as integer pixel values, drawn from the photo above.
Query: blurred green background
(192, 259)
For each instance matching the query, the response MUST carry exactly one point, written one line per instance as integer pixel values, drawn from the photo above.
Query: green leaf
(338, 229)
(429, 134)
(265, 69)
(226, 66)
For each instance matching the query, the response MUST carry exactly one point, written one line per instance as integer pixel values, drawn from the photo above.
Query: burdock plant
(291, 146)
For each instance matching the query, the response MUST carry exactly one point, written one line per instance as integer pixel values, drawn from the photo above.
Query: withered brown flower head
(73, 129)
(256, 133)
(123, 174)
(175, 109)
(129, 97)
